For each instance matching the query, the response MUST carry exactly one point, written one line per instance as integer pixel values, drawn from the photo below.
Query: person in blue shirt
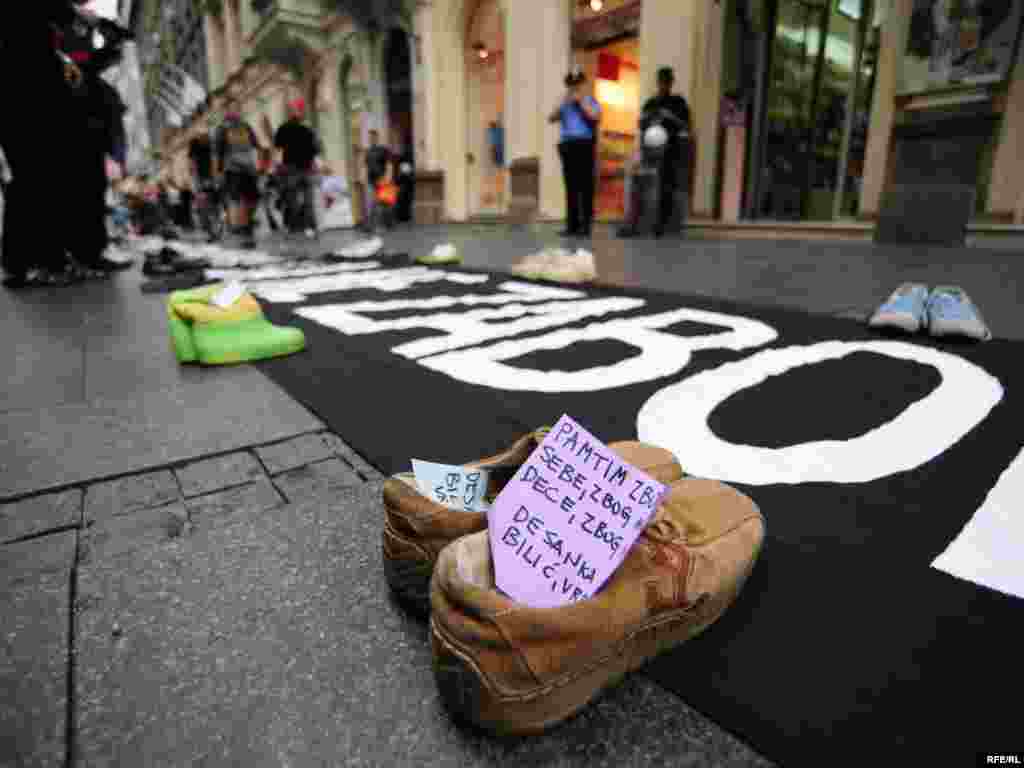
(579, 116)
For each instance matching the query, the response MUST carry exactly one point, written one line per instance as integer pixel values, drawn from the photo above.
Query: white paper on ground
(453, 486)
(228, 295)
(987, 551)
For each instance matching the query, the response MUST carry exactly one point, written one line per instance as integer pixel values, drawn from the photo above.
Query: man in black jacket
(671, 111)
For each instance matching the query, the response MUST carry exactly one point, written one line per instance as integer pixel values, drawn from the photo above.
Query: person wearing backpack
(578, 116)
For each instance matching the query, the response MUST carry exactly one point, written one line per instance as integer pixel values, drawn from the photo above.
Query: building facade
(803, 110)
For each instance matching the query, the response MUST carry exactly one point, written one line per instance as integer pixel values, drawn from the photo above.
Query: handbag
(387, 192)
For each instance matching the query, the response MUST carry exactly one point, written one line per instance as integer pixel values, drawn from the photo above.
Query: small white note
(228, 295)
(452, 486)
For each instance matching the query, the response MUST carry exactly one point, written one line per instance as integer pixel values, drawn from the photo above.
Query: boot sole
(468, 694)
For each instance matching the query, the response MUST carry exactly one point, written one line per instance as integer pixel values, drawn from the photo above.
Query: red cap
(298, 105)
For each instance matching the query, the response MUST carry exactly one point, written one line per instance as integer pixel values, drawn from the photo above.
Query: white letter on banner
(987, 551)
(661, 354)
(465, 328)
(676, 418)
(389, 280)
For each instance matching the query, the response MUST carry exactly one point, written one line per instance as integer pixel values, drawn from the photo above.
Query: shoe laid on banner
(952, 313)
(517, 670)
(416, 528)
(362, 249)
(904, 310)
(442, 254)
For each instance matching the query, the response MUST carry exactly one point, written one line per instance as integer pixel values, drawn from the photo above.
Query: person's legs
(667, 188)
(572, 222)
(587, 168)
(307, 207)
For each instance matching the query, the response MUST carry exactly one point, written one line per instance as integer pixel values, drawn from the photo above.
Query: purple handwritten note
(565, 522)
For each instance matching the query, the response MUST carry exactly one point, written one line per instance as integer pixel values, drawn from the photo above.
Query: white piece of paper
(452, 486)
(987, 551)
(228, 295)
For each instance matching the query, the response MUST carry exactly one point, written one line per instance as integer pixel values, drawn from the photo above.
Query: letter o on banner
(676, 418)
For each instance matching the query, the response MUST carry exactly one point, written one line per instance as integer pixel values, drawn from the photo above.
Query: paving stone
(218, 473)
(34, 606)
(27, 560)
(40, 514)
(321, 479)
(293, 453)
(207, 412)
(271, 640)
(130, 494)
(340, 448)
(122, 534)
(256, 497)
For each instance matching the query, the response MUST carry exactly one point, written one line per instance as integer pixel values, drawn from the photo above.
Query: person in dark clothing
(299, 149)
(671, 111)
(579, 116)
(34, 74)
(200, 155)
(94, 116)
(377, 160)
(406, 179)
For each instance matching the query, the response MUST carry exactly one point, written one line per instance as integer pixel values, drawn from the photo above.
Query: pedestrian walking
(299, 150)
(235, 160)
(579, 116)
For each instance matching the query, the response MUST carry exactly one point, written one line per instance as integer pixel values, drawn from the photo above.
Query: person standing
(578, 116)
(377, 160)
(33, 73)
(406, 181)
(299, 150)
(95, 111)
(237, 148)
(670, 111)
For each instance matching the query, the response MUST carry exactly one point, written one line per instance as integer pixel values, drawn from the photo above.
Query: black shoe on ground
(568, 233)
(659, 232)
(627, 232)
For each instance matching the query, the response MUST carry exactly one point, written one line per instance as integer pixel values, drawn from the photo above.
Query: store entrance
(820, 61)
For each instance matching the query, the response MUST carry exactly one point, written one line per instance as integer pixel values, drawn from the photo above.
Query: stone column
(232, 41)
(424, 99)
(1006, 188)
(705, 103)
(524, 50)
(553, 25)
(669, 31)
(876, 156)
(450, 121)
(213, 32)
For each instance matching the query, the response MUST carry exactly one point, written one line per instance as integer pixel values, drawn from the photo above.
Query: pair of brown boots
(514, 669)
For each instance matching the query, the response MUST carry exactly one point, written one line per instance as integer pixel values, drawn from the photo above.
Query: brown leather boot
(416, 528)
(518, 670)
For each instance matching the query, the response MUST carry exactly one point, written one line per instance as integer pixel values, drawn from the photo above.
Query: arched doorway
(485, 102)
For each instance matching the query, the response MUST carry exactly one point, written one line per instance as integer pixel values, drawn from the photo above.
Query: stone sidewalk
(233, 611)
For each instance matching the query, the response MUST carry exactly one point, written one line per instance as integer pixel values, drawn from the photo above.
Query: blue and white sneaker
(952, 313)
(904, 310)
